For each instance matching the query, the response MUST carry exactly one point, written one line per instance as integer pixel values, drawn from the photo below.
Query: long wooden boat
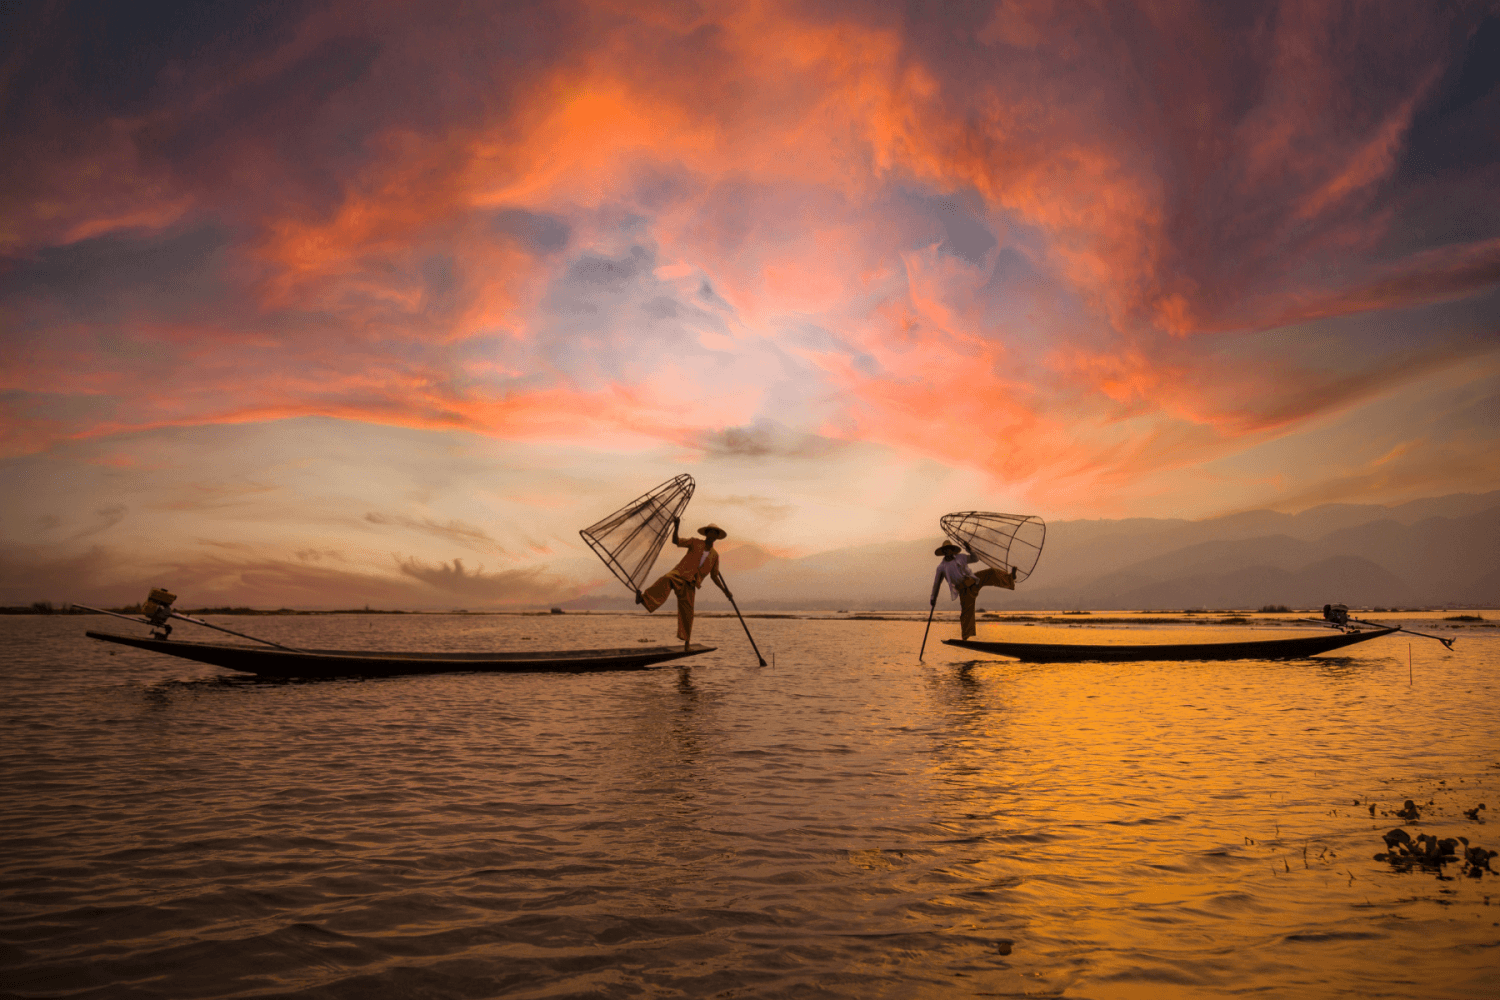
(308, 663)
(1259, 649)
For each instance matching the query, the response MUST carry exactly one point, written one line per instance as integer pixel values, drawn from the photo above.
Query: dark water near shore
(849, 823)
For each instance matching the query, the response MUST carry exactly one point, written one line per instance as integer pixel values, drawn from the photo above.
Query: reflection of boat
(359, 663)
(1259, 649)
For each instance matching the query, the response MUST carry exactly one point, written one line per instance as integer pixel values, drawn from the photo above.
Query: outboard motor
(158, 609)
(1337, 613)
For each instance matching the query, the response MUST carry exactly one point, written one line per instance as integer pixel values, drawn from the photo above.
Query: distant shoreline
(1151, 617)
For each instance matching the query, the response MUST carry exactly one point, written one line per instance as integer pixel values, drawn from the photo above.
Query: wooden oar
(930, 613)
(741, 617)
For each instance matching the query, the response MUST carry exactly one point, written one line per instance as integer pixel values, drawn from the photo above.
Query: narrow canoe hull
(271, 662)
(1260, 649)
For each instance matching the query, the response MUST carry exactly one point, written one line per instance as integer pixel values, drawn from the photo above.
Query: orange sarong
(674, 583)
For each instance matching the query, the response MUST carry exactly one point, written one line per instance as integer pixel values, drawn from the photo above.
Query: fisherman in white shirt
(963, 583)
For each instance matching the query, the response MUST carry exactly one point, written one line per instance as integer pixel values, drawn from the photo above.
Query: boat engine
(1337, 613)
(157, 608)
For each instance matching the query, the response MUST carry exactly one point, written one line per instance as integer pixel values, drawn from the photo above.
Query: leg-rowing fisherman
(684, 579)
(964, 584)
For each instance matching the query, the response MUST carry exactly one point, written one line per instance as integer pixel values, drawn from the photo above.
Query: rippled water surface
(845, 823)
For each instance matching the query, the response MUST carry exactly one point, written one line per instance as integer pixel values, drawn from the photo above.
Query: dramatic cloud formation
(512, 586)
(1095, 255)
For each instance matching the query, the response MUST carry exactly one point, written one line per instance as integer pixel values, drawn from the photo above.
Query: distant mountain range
(1436, 551)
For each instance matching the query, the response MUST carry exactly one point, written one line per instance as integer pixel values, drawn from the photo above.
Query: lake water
(846, 823)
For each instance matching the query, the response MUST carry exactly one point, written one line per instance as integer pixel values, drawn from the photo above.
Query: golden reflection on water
(1174, 800)
(850, 822)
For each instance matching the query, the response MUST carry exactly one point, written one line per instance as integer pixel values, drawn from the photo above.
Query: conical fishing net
(630, 539)
(1008, 541)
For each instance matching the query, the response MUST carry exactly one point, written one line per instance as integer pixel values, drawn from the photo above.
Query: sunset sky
(313, 304)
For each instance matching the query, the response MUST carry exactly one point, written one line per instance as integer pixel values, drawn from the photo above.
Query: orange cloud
(1007, 238)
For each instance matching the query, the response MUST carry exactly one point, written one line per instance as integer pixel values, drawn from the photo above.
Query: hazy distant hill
(1344, 579)
(1089, 549)
(1442, 550)
(1446, 557)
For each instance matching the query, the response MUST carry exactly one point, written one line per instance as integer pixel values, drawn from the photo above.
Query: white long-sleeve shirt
(953, 570)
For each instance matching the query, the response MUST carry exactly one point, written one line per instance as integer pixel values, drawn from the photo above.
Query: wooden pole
(1408, 665)
(923, 650)
(195, 621)
(758, 657)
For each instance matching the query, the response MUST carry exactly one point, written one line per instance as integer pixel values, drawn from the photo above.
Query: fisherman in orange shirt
(687, 576)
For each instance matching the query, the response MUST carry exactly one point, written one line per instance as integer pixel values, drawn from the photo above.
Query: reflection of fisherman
(963, 583)
(686, 577)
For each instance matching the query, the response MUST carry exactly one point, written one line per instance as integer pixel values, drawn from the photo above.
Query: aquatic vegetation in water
(1427, 851)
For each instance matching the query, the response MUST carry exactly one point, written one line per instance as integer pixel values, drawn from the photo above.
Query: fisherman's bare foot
(687, 646)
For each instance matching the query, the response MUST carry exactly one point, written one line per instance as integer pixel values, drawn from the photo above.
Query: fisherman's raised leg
(996, 578)
(656, 594)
